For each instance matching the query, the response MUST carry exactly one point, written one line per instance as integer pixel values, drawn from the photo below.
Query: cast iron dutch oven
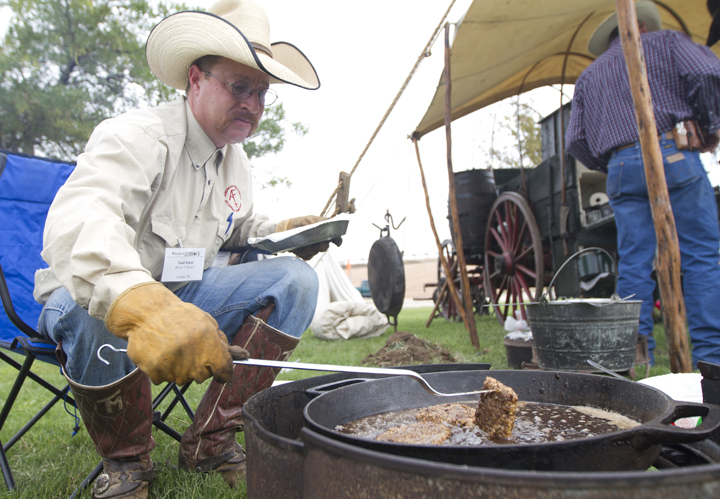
(631, 449)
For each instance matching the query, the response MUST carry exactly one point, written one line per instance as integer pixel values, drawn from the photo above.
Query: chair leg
(22, 375)
(88, 480)
(5, 467)
(24, 370)
(37, 379)
(179, 397)
(34, 420)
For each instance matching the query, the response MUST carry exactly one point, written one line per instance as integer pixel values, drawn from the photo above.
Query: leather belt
(667, 135)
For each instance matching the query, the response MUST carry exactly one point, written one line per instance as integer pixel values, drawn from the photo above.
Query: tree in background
(66, 65)
(269, 138)
(518, 136)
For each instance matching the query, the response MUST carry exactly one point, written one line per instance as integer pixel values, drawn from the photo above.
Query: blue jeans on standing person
(228, 294)
(696, 220)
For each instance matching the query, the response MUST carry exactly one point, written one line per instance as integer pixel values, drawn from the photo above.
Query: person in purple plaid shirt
(684, 80)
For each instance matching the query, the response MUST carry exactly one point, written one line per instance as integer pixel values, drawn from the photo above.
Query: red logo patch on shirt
(233, 198)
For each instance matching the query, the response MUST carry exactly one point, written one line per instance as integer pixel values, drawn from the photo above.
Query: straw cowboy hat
(646, 11)
(236, 29)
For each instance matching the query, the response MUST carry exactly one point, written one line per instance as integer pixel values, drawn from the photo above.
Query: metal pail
(567, 333)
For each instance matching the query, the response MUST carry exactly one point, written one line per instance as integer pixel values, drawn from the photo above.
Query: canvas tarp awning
(505, 47)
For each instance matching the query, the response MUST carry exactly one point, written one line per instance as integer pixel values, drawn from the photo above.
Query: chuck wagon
(519, 227)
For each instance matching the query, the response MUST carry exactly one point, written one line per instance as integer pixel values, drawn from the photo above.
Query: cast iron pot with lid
(631, 449)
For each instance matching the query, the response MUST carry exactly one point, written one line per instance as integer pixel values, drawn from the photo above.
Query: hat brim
(646, 12)
(180, 39)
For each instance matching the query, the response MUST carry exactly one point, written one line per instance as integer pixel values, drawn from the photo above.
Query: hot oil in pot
(534, 423)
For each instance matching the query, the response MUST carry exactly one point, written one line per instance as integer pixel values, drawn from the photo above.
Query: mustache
(245, 116)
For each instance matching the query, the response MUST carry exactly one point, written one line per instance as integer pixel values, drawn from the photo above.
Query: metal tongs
(331, 368)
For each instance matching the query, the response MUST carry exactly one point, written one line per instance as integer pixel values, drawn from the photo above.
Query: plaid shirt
(684, 80)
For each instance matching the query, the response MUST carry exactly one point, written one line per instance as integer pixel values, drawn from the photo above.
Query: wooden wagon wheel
(444, 303)
(514, 269)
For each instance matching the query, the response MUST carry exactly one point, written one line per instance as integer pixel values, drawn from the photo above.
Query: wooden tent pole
(668, 250)
(449, 284)
(465, 282)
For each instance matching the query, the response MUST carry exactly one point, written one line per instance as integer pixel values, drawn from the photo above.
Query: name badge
(183, 264)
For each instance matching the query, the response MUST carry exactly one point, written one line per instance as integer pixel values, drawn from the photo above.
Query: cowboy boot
(118, 418)
(209, 443)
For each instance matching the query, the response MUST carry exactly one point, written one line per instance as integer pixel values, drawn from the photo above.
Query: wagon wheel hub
(505, 264)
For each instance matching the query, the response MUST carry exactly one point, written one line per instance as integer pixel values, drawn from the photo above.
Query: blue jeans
(229, 294)
(696, 220)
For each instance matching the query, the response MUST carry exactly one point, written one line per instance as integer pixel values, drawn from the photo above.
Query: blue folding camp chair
(27, 187)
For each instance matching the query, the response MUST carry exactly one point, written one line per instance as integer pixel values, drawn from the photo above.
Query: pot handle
(316, 391)
(543, 298)
(664, 432)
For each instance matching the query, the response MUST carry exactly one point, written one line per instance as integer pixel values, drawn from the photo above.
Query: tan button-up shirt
(148, 180)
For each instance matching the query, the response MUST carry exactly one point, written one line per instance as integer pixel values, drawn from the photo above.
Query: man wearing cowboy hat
(132, 242)
(684, 81)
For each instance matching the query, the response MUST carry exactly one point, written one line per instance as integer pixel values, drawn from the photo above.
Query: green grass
(49, 463)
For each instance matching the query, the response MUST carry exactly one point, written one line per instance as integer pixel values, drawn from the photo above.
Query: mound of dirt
(404, 348)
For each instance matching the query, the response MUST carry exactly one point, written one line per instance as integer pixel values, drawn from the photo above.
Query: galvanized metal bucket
(568, 333)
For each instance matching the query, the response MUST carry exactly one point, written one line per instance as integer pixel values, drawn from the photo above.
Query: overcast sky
(363, 51)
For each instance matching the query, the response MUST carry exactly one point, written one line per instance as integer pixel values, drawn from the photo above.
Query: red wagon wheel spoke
(498, 238)
(503, 223)
(523, 286)
(527, 271)
(510, 221)
(518, 241)
(516, 295)
(514, 270)
(507, 299)
(522, 254)
(502, 288)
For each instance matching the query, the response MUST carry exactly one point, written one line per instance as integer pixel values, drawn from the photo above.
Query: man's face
(226, 119)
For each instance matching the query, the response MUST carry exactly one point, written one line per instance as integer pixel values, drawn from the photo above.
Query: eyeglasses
(243, 90)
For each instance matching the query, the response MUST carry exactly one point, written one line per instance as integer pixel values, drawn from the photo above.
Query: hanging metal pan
(386, 276)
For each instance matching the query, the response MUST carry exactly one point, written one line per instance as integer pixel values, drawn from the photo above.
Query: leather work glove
(168, 339)
(294, 223)
(238, 353)
(306, 252)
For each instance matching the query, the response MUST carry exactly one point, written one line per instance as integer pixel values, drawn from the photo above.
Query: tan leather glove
(306, 252)
(168, 339)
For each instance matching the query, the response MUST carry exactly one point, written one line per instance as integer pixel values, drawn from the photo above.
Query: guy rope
(340, 194)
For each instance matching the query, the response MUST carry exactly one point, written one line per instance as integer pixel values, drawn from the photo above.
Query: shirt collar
(197, 144)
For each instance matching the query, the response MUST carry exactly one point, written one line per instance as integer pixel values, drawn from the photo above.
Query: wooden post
(448, 271)
(453, 203)
(343, 195)
(668, 249)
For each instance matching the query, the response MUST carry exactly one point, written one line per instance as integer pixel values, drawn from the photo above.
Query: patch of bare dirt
(404, 348)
